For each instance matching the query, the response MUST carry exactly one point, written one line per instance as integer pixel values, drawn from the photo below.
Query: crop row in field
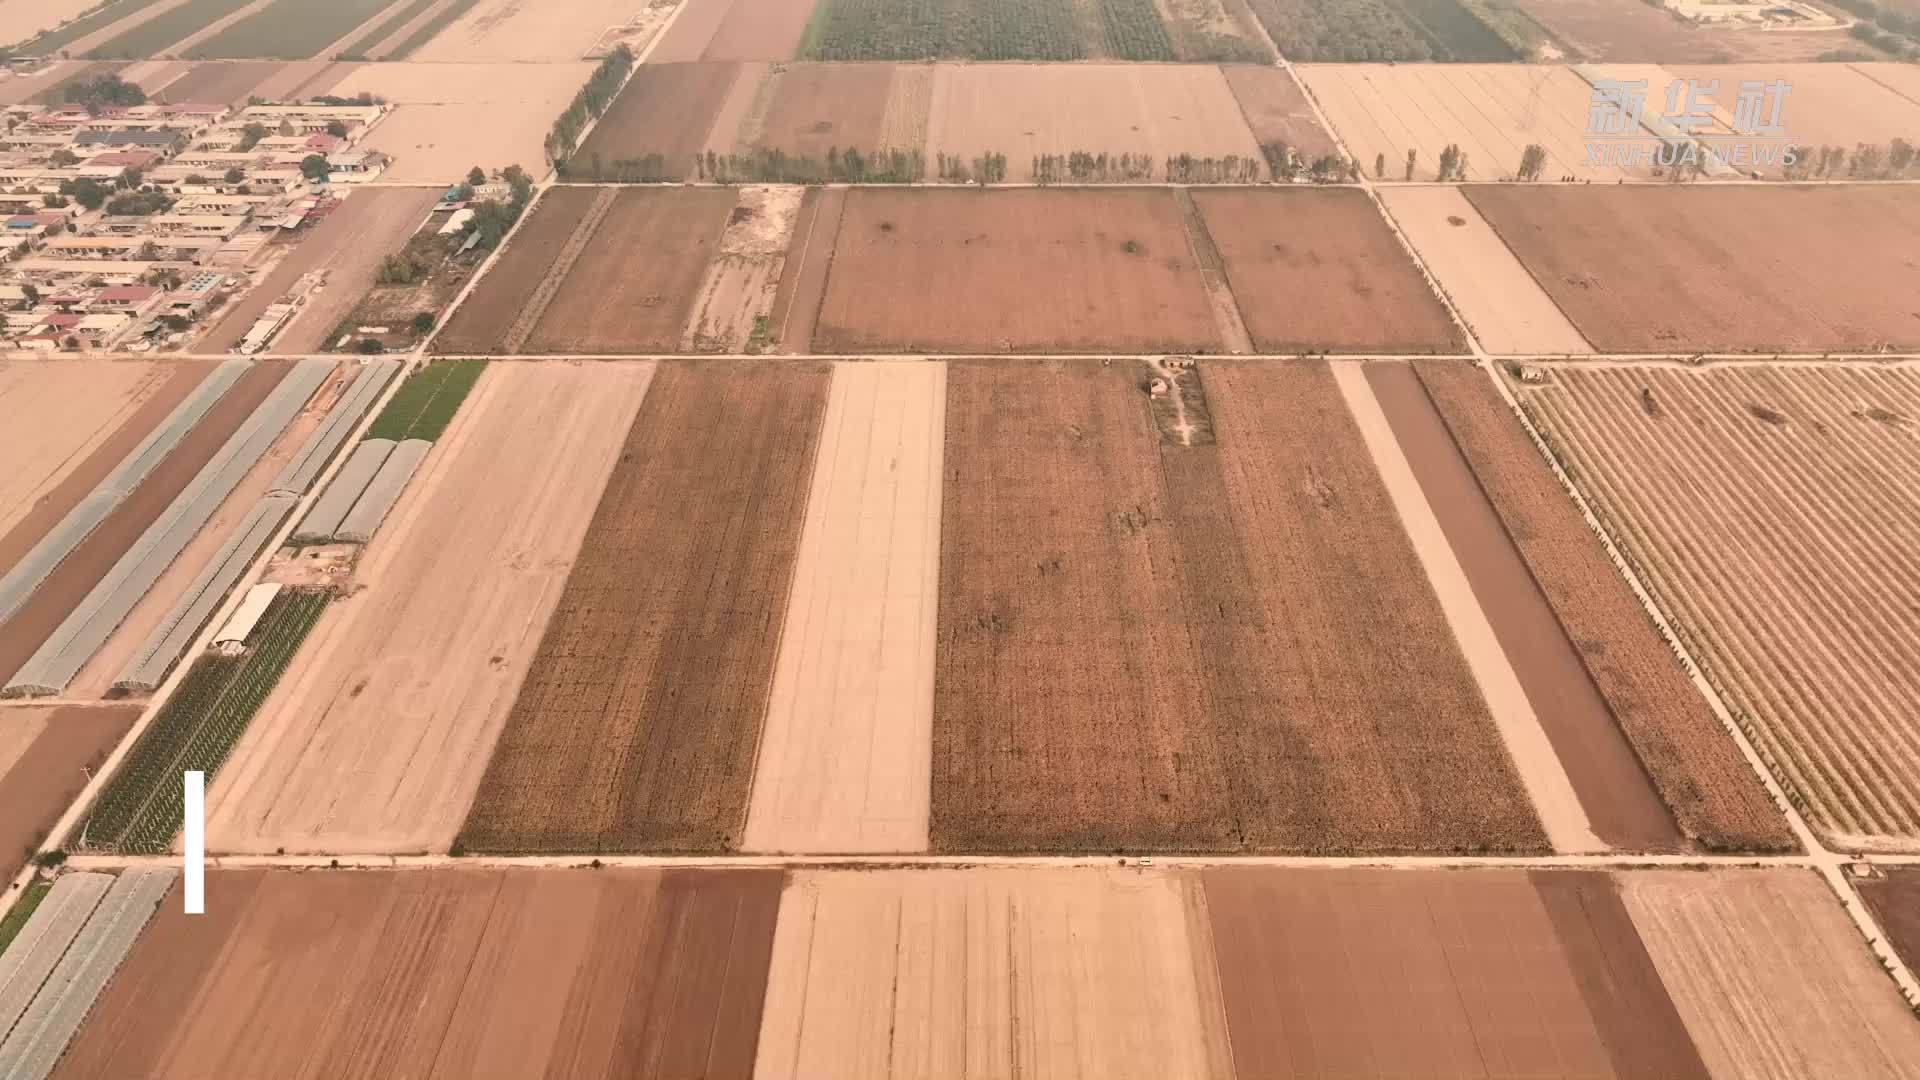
(402, 13)
(139, 811)
(288, 30)
(1025, 30)
(152, 37)
(430, 29)
(99, 18)
(22, 910)
(1378, 30)
(427, 401)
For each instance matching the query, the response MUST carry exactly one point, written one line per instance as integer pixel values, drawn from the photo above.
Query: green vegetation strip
(431, 30)
(61, 36)
(427, 401)
(153, 37)
(1134, 30)
(288, 30)
(929, 29)
(387, 27)
(140, 810)
(17, 918)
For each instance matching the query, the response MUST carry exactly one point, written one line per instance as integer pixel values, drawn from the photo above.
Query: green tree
(1533, 161)
(423, 324)
(250, 136)
(234, 176)
(337, 128)
(89, 193)
(1380, 166)
(314, 168)
(476, 176)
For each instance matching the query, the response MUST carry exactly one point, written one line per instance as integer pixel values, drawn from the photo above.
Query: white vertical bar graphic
(194, 886)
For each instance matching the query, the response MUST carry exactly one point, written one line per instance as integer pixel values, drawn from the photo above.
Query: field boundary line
(536, 305)
(883, 861)
(57, 835)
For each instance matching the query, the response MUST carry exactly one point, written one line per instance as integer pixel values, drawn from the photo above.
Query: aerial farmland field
(667, 110)
(525, 31)
(1033, 270)
(639, 720)
(454, 116)
(1680, 268)
(46, 756)
(290, 30)
(1647, 33)
(67, 413)
(1771, 512)
(170, 29)
(767, 30)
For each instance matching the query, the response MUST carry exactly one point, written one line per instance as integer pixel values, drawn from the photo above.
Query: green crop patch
(431, 30)
(427, 401)
(156, 35)
(98, 18)
(140, 810)
(1454, 33)
(288, 30)
(19, 914)
(1134, 31)
(952, 29)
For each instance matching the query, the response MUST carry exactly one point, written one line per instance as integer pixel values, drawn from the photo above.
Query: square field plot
(1665, 269)
(1317, 269)
(1013, 270)
(455, 116)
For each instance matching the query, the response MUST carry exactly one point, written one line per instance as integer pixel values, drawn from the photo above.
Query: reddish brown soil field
(51, 771)
(1276, 110)
(1014, 270)
(636, 281)
(1669, 268)
(481, 323)
(1619, 799)
(665, 109)
(34, 525)
(692, 31)
(444, 973)
(1145, 644)
(1700, 773)
(637, 726)
(759, 30)
(817, 107)
(1895, 903)
(76, 575)
(1376, 973)
(220, 83)
(1318, 270)
(796, 301)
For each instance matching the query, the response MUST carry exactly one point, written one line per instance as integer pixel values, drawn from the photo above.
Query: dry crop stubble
(59, 414)
(638, 722)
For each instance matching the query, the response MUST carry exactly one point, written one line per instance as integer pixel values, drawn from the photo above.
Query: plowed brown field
(481, 323)
(444, 973)
(1013, 270)
(1377, 973)
(666, 109)
(757, 29)
(814, 108)
(1317, 270)
(1699, 770)
(637, 725)
(1276, 110)
(1145, 644)
(1773, 513)
(1672, 268)
(1895, 901)
(378, 733)
(47, 756)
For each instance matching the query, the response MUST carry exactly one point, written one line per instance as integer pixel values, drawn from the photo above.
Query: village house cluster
(123, 227)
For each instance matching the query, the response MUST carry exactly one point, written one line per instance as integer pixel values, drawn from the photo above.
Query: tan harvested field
(31, 512)
(1151, 645)
(453, 116)
(634, 284)
(731, 310)
(1315, 269)
(1771, 976)
(47, 755)
(1773, 514)
(1894, 899)
(220, 83)
(1502, 305)
(443, 973)
(807, 110)
(1020, 110)
(1378, 973)
(523, 31)
(1492, 111)
(68, 584)
(1714, 795)
(1646, 33)
(1104, 973)
(804, 272)
(1013, 270)
(376, 737)
(848, 737)
(23, 19)
(96, 678)
(1840, 105)
(348, 245)
(59, 413)
(755, 29)
(639, 721)
(665, 109)
(1276, 110)
(1680, 268)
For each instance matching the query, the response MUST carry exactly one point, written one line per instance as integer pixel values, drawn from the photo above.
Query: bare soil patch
(732, 309)
(443, 973)
(1894, 899)
(41, 775)
(1619, 799)
(480, 325)
(638, 723)
(219, 83)
(813, 108)
(1667, 268)
(809, 261)
(55, 599)
(60, 414)
(634, 285)
(757, 29)
(665, 109)
(412, 675)
(1276, 111)
(523, 31)
(1317, 270)
(1013, 270)
(454, 116)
